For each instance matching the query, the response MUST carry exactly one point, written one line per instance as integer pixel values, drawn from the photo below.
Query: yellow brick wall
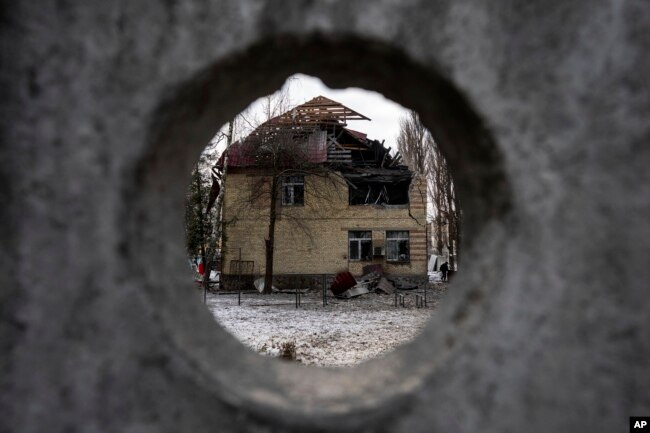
(313, 238)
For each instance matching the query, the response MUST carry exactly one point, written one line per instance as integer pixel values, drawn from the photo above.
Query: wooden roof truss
(318, 111)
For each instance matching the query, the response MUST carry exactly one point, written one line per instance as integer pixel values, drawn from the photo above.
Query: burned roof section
(378, 186)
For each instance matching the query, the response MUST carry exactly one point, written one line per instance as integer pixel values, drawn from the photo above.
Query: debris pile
(385, 286)
(345, 286)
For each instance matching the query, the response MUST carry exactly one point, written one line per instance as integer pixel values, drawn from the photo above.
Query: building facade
(364, 208)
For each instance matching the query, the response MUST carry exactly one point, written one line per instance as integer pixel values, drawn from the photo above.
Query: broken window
(360, 245)
(388, 192)
(293, 190)
(397, 246)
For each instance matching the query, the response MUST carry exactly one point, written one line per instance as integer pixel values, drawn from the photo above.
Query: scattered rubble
(373, 281)
(384, 286)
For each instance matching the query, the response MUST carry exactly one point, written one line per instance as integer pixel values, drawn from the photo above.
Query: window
(397, 246)
(394, 192)
(293, 190)
(360, 245)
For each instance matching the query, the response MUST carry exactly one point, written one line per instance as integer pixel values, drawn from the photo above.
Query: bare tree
(270, 106)
(215, 202)
(280, 151)
(291, 145)
(281, 156)
(415, 143)
(203, 205)
(419, 150)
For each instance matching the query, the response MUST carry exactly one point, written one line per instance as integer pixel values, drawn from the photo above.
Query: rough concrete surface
(541, 108)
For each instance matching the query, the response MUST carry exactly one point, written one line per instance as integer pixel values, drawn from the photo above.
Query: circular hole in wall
(360, 206)
(359, 396)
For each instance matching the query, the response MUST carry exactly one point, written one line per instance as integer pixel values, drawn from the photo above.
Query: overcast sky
(384, 114)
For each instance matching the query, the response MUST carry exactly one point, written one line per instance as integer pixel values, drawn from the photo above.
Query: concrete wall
(313, 239)
(541, 108)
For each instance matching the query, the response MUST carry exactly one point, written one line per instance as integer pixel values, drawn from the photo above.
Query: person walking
(444, 268)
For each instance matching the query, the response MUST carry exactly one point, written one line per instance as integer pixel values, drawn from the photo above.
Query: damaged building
(343, 201)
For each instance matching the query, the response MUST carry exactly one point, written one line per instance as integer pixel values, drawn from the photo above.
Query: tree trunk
(212, 247)
(201, 217)
(450, 220)
(270, 241)
(439, 234)
(457, 226)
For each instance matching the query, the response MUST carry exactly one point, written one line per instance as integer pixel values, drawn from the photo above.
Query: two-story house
(360, 206)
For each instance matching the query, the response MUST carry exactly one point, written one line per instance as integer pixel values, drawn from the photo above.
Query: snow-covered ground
(343, 333)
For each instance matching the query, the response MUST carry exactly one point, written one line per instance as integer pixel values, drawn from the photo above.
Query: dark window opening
(397, 246)
(360, 245)
(365, 193)
(293, 190)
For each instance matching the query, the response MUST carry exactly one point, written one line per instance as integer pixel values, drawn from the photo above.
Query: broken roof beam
(396, 160)
(320, 110)
(383, 159)
(332, 142)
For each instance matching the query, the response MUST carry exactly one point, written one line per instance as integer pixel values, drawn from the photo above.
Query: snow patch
(343, 333)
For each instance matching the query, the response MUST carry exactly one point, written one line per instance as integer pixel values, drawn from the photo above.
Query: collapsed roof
(319, 134)
(320, 125)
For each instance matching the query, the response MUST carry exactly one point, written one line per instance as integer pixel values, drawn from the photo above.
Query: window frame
(358, 242)
(289, 181)
(392, 236)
